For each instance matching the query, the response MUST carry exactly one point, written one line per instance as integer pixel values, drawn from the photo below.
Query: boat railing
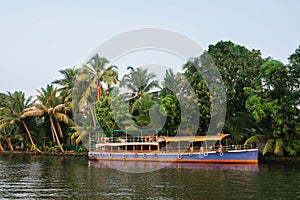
(178, 150)
(127, 140)
(237, 147)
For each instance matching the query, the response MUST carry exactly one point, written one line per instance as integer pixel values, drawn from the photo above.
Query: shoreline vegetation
(262, 104)
(67, 153)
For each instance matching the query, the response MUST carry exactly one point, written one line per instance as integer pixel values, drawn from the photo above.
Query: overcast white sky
(37, 38)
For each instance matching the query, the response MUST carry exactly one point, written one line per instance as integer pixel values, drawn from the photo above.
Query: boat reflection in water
(142, 167)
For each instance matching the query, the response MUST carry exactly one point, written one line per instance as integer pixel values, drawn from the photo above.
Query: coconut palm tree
(261, 132)
(67, 83)
(142, 106)
(89, 82)
(95, 69)
(110, 77)
(12, 123)
(13, 117)
(7, 134)
(51, 108)
(139, 82)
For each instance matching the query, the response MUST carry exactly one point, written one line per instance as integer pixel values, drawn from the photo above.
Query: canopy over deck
(218, 137)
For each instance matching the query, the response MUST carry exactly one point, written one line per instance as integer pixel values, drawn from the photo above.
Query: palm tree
(244, 128)
(95, 69)
(263, 131)
(139, 82)
(15, 104)
(89, 83)
(67, 83)
(51, 108)
(142, 106)
(7, 134)
(110, 77)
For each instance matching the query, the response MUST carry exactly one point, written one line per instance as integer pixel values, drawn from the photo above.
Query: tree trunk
(1, 147)
(8, 140)
(55, 134)
(59, 129)
(99, 90)
(53, 137)
(30, 138)
(93, 115)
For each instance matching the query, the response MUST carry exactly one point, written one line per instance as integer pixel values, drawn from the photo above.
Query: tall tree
(271, 99)
(142, 108)
(110, 77)
(89, 82)
(52, 108)
(96, 69)
(15, 104)
(67, 83)
(200, 88)
(104, 114)
(138, 82)
(238, 67)
(171, 107)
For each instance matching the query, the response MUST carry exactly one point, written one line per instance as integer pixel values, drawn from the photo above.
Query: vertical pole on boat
(193, 145)
(166, 141)
(111, 136)
(126, 135)
(226, 144)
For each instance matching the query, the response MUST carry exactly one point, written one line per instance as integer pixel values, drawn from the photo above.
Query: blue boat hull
(235, 156)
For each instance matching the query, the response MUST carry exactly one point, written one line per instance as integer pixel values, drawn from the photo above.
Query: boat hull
(235, 156)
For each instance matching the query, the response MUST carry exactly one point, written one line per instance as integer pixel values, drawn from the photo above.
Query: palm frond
(29, 109)
(81, 136)
(59, 108)
(33, 113)
(268, 146)
(62, 117)
(40, 106)
(256, 139)
(278, 145)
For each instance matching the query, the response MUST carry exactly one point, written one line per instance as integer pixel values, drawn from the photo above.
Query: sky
(38, 38)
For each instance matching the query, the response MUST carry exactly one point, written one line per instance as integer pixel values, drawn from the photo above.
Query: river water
(54, 177)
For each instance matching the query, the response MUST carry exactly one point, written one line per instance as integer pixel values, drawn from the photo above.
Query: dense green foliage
(262, 100)
(273, 99)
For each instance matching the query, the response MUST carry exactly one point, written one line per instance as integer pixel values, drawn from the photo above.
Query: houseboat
(126, 145)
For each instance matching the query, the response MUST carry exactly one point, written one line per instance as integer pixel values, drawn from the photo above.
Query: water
(51, 177)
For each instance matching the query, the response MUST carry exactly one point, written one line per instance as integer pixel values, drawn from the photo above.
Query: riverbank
(67, 153)
(279, 160)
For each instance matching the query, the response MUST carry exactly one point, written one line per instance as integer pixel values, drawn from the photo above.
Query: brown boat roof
(196, 138)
